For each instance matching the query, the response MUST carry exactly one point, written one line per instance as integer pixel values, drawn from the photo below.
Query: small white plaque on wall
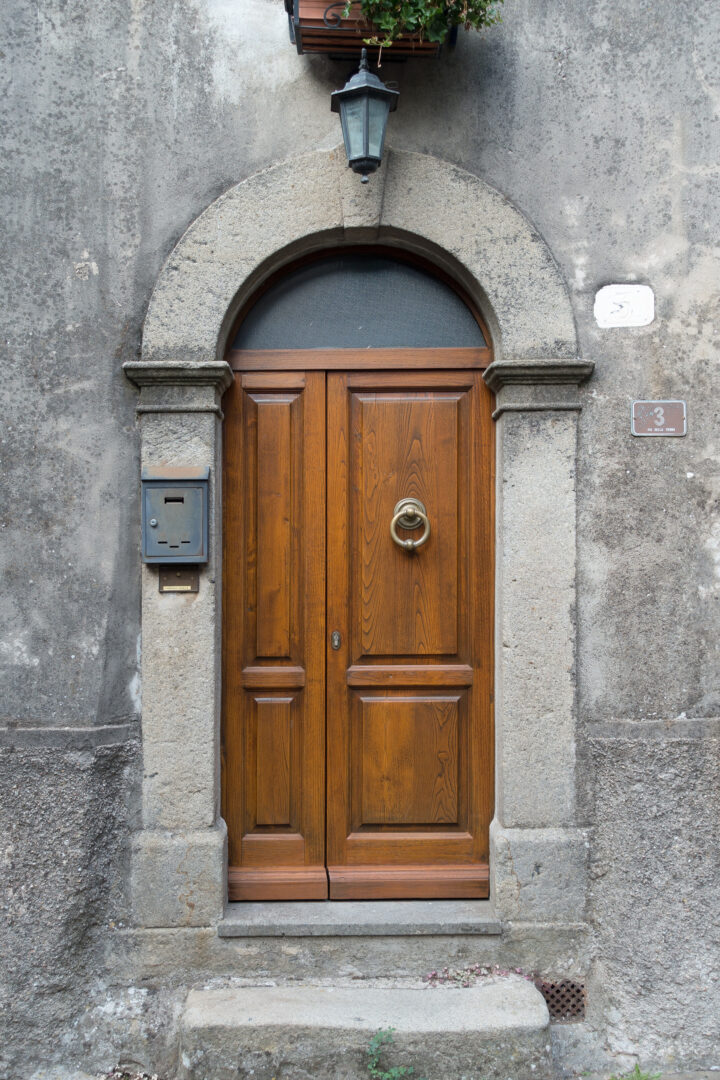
(624, 305)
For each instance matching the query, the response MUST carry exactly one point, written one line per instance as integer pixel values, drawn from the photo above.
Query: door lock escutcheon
(336, 639)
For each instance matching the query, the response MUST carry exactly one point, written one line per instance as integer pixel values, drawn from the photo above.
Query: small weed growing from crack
(381, 1039)
(638, 1074)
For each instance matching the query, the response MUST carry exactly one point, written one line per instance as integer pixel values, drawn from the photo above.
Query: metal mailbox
(175, 514)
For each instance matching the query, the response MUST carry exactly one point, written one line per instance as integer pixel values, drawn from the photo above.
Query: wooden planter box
(317, 26)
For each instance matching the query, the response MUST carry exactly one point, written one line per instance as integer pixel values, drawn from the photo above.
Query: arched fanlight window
(358, 300)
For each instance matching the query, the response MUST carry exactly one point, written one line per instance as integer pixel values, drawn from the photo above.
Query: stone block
(490, 1031)
(179, 879)
(539, 875)
(197, 954)
(381, 918)
(180, 662)
(535, 620)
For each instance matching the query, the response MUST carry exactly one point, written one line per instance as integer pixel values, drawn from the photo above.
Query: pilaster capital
(537, 372)
(546, 385)
(214, 373)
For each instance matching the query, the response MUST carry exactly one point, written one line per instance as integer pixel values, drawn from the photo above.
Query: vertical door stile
(273, 636)
(338, 612)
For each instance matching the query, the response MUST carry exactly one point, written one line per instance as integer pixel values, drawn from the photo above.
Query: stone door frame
(430, 207)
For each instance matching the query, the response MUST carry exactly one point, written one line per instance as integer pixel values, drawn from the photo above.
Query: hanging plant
(426, 20)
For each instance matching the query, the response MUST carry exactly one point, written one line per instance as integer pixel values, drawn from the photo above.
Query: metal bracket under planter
(319, 27)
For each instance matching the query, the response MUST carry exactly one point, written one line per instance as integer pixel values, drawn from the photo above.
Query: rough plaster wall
(122, 122)
(64, 819)
(654, 875)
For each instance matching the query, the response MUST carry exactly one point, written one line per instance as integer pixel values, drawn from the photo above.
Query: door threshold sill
(359, 918)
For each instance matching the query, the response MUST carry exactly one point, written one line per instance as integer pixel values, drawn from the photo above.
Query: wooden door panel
(409, 722)
(405, 447)
(274, 567)
(407, 761)
(274, 421)
(269, 743)
(356, 359)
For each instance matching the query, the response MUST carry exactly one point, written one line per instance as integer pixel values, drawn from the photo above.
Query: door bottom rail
(443, 882)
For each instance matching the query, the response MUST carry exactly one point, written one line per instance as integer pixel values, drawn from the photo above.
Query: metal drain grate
(565, 999)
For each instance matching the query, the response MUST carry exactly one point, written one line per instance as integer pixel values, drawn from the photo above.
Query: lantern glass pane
(378, 108)
(354, 126)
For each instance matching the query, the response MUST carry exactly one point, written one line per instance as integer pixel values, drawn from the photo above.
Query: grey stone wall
(121, 123)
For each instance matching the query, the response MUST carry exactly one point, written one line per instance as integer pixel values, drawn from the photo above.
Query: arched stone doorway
(426, 206)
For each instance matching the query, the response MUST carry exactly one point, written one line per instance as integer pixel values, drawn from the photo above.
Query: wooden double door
(357, 730)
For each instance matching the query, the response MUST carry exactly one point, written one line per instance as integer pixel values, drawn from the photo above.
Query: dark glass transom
(353, 301)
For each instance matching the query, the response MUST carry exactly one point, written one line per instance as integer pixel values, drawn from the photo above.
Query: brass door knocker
(410, 514)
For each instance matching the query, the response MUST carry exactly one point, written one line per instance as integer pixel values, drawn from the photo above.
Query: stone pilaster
(179, 856)
(537, 850)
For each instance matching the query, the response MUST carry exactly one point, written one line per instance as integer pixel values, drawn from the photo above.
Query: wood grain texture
(275, 848)
(409, 693)
(409, 788)
(393, 845)
(272, 760)
(272, 380)
(405, 446)
(291, 883)
(410, 675)
(288, 360)
(274, 510)
(273, 678)
(409, 755)
(274, 608)
(399, 883)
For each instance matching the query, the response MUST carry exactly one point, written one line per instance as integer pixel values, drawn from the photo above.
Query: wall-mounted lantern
(364, 103)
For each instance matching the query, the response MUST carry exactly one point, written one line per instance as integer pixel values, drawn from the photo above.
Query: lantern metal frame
(363, 86)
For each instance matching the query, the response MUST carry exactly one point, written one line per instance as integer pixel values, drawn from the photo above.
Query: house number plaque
(659, 418)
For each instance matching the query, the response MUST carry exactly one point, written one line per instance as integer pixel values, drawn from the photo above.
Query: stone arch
(416, 202)
(477, 236)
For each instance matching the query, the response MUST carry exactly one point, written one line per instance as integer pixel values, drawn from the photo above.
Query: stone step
(358, 918)
(495, 1030)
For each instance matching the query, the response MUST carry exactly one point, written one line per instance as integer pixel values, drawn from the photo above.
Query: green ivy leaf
(430, 20)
